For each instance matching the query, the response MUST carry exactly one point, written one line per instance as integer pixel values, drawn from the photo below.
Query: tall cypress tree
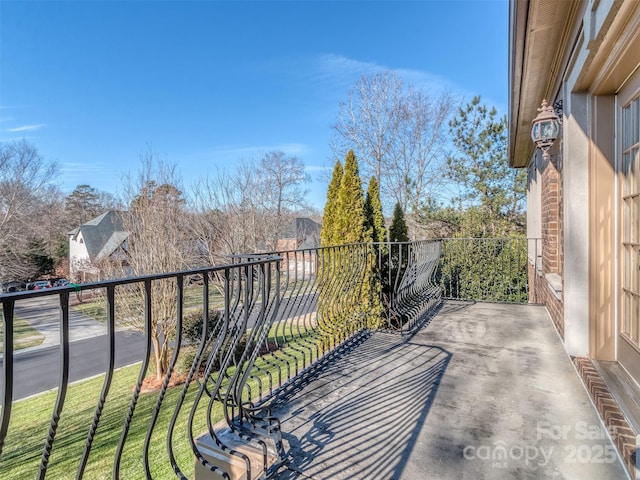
(373, 212)
(350, 220)
(398, 255)
(375, 232)
(398, 232)
(327, 236)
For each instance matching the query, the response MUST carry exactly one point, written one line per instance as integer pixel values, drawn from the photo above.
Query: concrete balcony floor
(481, 391)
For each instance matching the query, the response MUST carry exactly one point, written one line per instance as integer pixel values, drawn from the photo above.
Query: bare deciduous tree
(399, 134)
(245, 210)
(25, 180)
(369, 121)
(281, 185)
(158, 241)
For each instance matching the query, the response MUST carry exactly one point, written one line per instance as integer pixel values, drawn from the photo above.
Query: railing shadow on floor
(360, 416)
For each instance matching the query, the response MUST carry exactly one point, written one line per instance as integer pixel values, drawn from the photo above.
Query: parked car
(10, 287)
(40, 284)
(61, 282)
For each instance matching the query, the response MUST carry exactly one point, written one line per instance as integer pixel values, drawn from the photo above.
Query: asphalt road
(38, 370)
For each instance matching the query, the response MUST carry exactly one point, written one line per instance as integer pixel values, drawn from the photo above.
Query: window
(630, 221)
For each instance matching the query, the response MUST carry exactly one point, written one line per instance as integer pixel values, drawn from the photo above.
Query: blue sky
(205, 84)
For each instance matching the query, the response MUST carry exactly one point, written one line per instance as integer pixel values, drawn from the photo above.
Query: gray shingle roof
(102, 235)
(304, 230)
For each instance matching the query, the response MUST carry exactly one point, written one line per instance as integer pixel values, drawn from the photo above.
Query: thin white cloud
(333, 73)
(234, 152)
(78, 169)
(329, 73)
(26, 128)
(339, 64)
(338, 70)
(427, 80)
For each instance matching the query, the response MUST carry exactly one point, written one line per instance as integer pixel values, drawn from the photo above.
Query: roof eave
(537, 45)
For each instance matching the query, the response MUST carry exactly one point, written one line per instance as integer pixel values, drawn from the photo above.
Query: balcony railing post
(7, 394)
(62, 388)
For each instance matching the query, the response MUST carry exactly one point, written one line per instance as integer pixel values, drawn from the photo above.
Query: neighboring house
(583, 57)
(99, 240)
(300, 234)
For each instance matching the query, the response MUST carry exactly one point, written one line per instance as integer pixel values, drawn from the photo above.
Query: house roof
(304, 230)
(102, 235)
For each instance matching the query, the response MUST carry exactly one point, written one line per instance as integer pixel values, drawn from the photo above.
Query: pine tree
(398, 232)
(398, 255)
(82, 205)
(327, 236)
(350, 219)
(494, 191)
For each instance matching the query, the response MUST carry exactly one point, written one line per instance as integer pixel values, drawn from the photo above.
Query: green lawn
(96, 307)
(30, 420)
(30, 423)
(24, 335)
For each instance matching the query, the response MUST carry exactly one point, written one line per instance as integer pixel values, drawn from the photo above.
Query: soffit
(539, 32)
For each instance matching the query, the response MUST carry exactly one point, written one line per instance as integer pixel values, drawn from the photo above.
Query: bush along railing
(241, 334)
(484, 269)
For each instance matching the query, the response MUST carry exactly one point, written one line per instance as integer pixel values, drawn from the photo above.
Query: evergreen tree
(350, 220)
(41, 263)
(398, 256)
(327, 236)
(494, 191)
(398, 232)
(375, 232)
(373, 213)
(82, 205)
(344, 274)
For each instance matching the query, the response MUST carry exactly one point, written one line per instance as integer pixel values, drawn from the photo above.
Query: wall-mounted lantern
(546, 127)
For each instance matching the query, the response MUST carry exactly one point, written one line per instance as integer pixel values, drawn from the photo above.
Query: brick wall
(555, 308)
(552, 245)
(560, 221)
(540, 293)
(550, 211)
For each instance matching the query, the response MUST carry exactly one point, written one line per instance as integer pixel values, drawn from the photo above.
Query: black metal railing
(238, 334)
(407, 272)
(484, 269)
(534, 253)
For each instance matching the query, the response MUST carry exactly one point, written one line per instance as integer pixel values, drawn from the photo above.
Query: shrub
(192, 325)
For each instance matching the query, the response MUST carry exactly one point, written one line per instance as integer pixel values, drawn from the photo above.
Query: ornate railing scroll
(410, 289)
